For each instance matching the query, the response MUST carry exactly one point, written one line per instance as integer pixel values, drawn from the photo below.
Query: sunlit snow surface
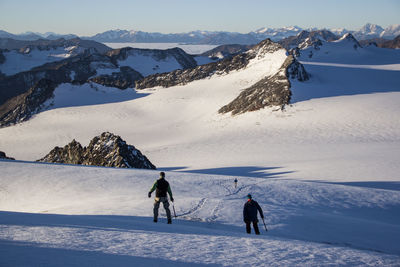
(325, 170)
(108, 220)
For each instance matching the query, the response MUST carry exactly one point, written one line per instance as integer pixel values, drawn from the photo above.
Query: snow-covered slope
(17, 61)
(341, 138)
(108, 220)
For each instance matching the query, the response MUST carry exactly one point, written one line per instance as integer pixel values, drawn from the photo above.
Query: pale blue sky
(88, 17)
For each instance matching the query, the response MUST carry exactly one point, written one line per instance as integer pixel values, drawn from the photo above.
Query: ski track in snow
(108, 212)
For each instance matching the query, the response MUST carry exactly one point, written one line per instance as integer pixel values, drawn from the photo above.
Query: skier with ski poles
(250, 215)
(162, 188)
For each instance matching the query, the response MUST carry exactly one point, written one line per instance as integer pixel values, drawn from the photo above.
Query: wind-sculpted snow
(107, 211)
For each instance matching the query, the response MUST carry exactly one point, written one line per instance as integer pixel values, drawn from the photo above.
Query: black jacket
(162, 188)
(250, 211)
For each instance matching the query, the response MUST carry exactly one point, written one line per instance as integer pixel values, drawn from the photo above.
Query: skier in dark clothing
(250, 214)
(162, 188)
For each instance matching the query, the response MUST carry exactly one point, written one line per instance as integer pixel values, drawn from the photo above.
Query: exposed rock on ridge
(271, 91)
(4, 156)
(106, 150)
(185, 60)
(181, 77)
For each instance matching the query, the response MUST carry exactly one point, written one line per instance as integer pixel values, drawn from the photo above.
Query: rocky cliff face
(181, 77)
(123, 79)
(4, 156)
(271, 91)
(76, 44)
(306, 39)
(23, 106)
(17, 92)
(106, 150)
(226, 51)
(184, 59)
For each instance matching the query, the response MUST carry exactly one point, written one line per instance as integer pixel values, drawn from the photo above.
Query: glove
(149, 194)
(172, 199)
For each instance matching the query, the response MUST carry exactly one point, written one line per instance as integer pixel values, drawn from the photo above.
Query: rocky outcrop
(350, 38)
(306, 39)
(122, 80)
(106, 150)
(271, 91)
(226, 51)
(22, 94)
(17, 91)
(22, 107)
(43, 44)
(184, 59)
(181, 77)
(394, 44)
(4, 156)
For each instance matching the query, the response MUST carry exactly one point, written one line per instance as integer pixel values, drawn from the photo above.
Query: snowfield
(108, 220)
(16, 61)
(325, 170)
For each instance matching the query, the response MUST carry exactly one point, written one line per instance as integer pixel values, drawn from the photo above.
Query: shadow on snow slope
(29, 254)
(88, 94)
(243, 171)
(331, 81)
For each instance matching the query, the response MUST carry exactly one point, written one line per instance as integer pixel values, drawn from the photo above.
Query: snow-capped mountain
(28, 88)
(368, 31)
(391, 32)
(305, 39)
(276, 34)
(18, 56)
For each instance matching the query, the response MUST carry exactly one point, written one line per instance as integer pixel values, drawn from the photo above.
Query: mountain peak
(107, 149)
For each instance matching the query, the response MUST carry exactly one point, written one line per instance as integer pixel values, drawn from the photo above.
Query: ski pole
(265, 225)
(173, 207)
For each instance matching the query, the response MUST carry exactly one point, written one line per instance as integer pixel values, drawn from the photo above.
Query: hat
(249, 196)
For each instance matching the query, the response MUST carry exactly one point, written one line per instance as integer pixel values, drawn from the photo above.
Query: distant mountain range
(368, 31)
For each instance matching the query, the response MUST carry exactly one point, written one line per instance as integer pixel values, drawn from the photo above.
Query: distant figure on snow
(162, 187)
(235, 182)
(250, 214)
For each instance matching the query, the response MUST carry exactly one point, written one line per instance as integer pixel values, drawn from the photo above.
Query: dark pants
(255, 226)
(165, 202)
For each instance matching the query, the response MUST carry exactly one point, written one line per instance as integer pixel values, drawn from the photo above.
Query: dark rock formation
(43, 44)
(271, 91)
(306, 39)
(122, 80)
(394, 44)
(350, 38)
(226, 51)
(184, 59)
(22, 107)
(380, 42)
(22, 94)
(106, 150)
(2, 57)
(181, 77)
(4, 156)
